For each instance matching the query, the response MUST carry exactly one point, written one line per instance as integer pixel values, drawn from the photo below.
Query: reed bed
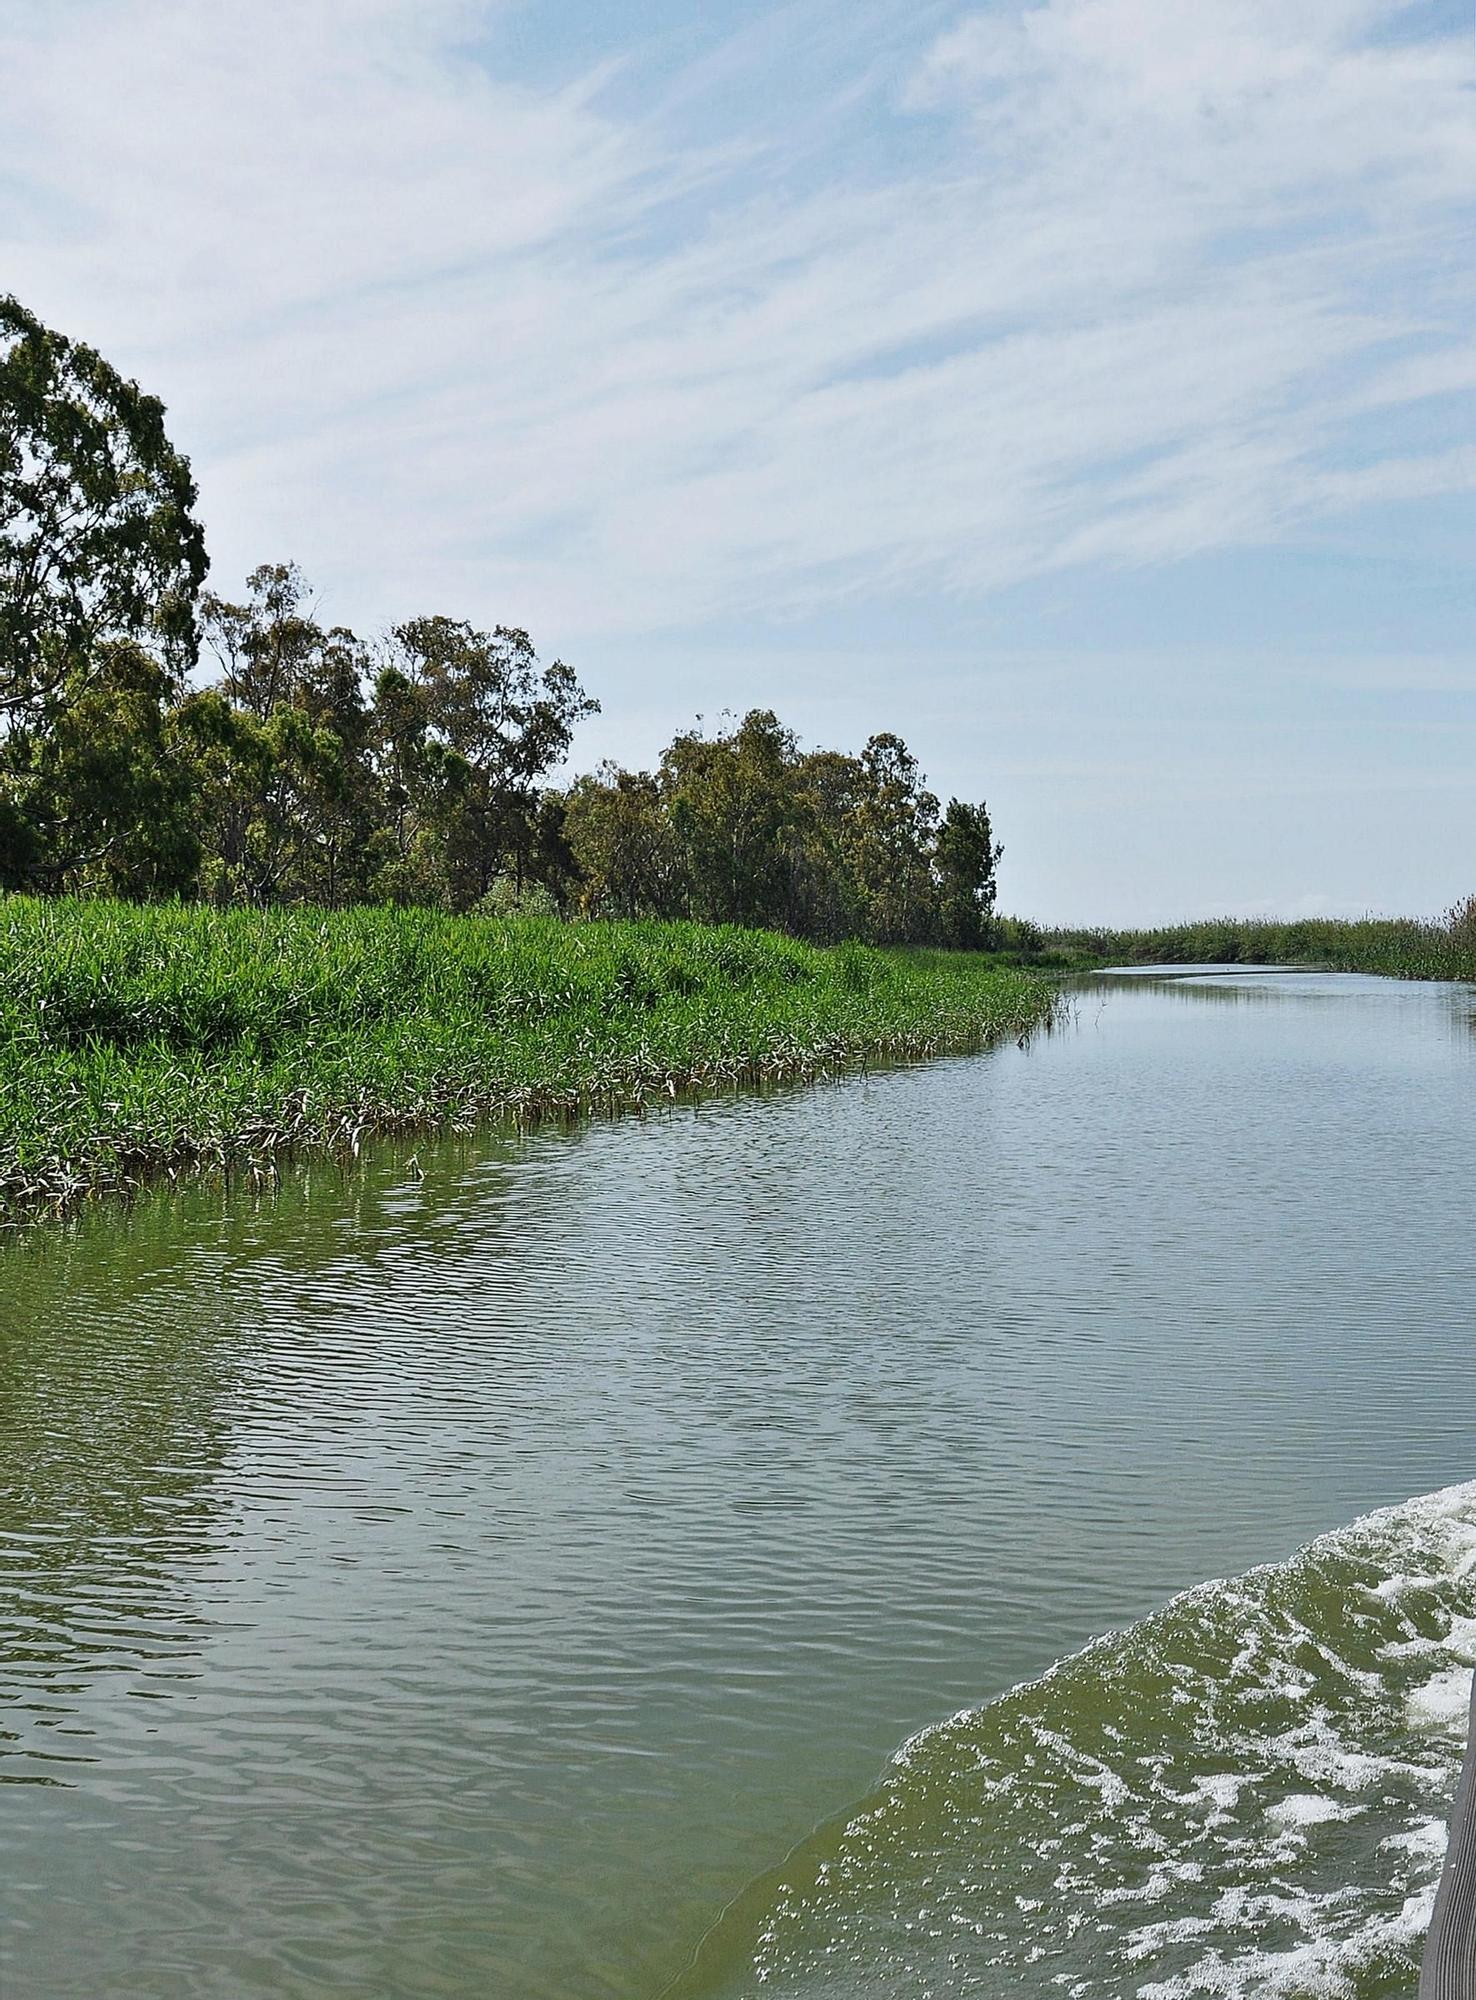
(171, 1039)
(1400, 947)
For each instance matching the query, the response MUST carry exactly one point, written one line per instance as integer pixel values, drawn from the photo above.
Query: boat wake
(1244, 1794)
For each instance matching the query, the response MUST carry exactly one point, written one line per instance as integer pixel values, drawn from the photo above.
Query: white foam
(1283, 1695)
(1309, 1809)
(1153, 1937)
(1441, 1703)
(1460, 1639)
(1392, 1588)
(1449, 1513)
(1320, 1969)
(1168, 1875)
(1424, 1841)
(1411, 1649)
(1153, 1890)
(1086, 1769)
(1221, 1788)
(1465, 1561)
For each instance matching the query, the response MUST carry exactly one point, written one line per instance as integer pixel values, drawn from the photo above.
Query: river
(499, 1583)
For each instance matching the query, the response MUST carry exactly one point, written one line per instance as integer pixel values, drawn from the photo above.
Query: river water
(553, 1578)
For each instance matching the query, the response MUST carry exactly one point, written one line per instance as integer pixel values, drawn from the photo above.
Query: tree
(827, 897)
(470, 722)
(112, 802)
(740, 827)
(737, 815)
(293, 786)
(233, 758)
(966, 857)
(623, 845)
(889, 842)
(265, 647)
(413, 775)
(98, 539)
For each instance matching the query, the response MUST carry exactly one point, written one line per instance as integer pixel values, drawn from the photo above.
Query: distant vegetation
(313, 766)
(292, 837)
(1402, 947)
(140, 1040)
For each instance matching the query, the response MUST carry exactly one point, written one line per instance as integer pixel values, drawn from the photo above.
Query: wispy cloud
(1105, 281)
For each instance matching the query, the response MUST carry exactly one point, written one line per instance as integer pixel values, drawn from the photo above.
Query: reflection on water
(112, 1444)
(468, 1587)
(1283, 986)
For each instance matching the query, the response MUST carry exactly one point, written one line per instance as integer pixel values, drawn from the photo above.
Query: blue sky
(1082, 389)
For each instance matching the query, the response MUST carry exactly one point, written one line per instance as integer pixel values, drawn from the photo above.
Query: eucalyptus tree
(828, 897)
(740, 826)
(737, 817)
(889, 838)
(101, 561)
(98, 536)
(624, 850)
(469, 724)
(294, 804)
(106, 797)
(966, 856)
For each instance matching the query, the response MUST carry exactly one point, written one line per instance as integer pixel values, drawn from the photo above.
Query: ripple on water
(467, 1587)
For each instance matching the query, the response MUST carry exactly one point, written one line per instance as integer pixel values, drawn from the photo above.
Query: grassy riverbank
(1401, 947)
(136, 1041)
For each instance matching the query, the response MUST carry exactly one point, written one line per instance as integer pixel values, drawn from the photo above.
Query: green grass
(136, 1041)
(1402, 947)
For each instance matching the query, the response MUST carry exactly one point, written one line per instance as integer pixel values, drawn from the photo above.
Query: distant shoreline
(1397, 947)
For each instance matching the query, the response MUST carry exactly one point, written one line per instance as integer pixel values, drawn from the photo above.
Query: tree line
(158, 740)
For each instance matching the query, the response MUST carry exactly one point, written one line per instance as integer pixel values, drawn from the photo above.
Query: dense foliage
(314, 767)
(144, 1039)
(101, 560)
(743, 827)
(98, 543)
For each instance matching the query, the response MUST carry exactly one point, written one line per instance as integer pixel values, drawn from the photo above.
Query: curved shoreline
(148, 1043)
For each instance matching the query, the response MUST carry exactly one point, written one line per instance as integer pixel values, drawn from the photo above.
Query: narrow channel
(520, 1581)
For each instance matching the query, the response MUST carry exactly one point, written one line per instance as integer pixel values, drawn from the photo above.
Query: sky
(1082, 389)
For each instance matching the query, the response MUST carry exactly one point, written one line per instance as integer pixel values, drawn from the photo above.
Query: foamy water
(1243, 1794)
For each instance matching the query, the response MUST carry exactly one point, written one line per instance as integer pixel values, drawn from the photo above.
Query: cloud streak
(1117, 282)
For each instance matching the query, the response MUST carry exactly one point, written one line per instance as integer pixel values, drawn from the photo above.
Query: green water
(520, 1582)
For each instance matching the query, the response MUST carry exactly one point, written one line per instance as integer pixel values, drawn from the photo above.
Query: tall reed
(1404, 947)
(136, 1041)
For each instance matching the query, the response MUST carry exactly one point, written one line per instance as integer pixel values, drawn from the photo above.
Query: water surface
(472, 1587)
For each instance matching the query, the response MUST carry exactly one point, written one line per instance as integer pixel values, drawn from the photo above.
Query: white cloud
(450, 340)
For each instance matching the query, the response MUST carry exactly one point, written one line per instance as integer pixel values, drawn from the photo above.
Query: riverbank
(1399, 947)
(158, 1040)
(640, 1491)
